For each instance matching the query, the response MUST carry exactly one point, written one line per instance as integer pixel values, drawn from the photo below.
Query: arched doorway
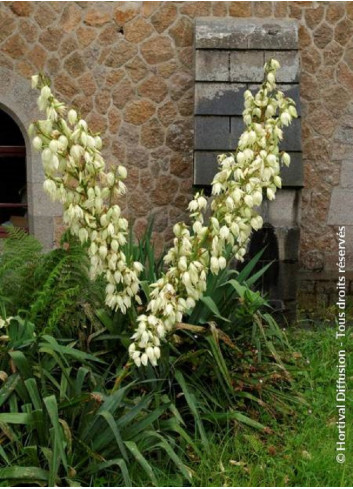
(13, 178)
(19, 102)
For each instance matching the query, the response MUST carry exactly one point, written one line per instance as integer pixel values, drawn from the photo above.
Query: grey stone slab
(290, 90)
(283, 210)
(293, 175)
(292, 137)
(274, 34)
(246, 66)
(219, 98)
(211, 66)
(347, 173)
(289, 61)
(288, 243)
(206, 166)
(212, 133)
(237, 128)
(341, 207)
(232, 33)
(43, 229)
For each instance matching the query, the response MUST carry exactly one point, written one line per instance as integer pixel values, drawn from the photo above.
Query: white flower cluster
(75, 175)
(238, 190)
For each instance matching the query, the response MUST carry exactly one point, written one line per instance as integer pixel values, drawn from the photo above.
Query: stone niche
(229, 59)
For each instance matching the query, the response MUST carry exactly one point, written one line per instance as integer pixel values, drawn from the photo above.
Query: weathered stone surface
(95, 17)
(164, 16)
(341, 207)
(139, 111)
(137, 30)
(50, 38)
(347, 173)
(245, 33)
(85, 35)
(186, 104)
(212, 133)
(182, 32)
(167, 113)
(246, 66)
(136, 69)
(196, 9)
(123, 92)
(262, 9)
(22, 9)
(314, 16)
(219, 98)
(283, 211)
(289, 61)
(70, 18)
(152, 134)
(153, 88)
(180, 136)
(211, 65)
(344, 31)
(75, 65)
(240, 9)
(165, 190)
(15, 46)
(323, 35)
(157, 50)
(179, 84)
(120, 54)
(110, 35)
(125, 12)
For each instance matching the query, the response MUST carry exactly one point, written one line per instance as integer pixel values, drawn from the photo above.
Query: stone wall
(129, 67)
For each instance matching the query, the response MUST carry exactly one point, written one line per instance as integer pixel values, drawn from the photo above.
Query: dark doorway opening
(13, 191)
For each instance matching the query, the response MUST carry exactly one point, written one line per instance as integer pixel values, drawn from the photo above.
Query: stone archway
(20, 102)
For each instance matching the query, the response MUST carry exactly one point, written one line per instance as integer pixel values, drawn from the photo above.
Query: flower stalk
(244, 177)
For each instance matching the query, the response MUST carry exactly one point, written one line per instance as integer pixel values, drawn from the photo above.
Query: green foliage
(53, 290)
(61, 426)
(74, 410)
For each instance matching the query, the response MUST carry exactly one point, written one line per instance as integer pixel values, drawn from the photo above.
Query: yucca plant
(61, 426)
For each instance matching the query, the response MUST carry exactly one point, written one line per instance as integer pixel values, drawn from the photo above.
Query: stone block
(289, 61)
(35, 171)
(219, 98)
(283, 211)
(43, 229)
(233, 33)
(274, 34)
(288, 243)
(293, 175)
(292, 140)
(347, 173)
(40, 203)
(211, 65)
(236, 128)
(246, 66)
(341, 206)
(223, 33)
(212, 133)
(205, 167)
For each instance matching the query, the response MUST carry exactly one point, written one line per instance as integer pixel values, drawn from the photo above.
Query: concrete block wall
(229, 59)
